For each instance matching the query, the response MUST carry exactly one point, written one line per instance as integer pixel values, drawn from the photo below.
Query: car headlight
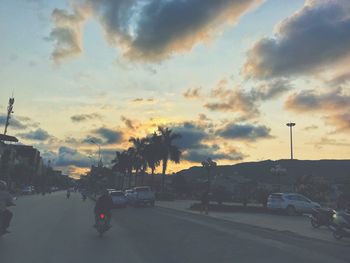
(334, 216)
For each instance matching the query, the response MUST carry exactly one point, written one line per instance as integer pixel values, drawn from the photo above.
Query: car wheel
(291, 210)
(337, 234)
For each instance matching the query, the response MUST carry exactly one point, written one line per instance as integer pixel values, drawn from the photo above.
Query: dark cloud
(192, 136)
(14, 123)
(128, 123)
(246, 132)
(93, 139)
(245, 103)
(147, 30)
(104, 136)
(312, 39)
(85, 117)
(35, 135)
(192, 93)
(71, 157)
(110, 136)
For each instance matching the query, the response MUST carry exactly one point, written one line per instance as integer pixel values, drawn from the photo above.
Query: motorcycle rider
(5, 214)
(104, 204)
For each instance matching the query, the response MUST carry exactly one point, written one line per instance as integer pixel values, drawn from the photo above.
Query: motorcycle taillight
(102, 216)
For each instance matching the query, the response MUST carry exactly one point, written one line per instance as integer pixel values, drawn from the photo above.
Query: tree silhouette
(168, 150)
(153, 153)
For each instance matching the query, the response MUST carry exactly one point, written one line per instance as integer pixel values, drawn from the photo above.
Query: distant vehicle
(129, 195)
(143, 195)
(28, 190)
(342, 222)
(119, 199)
(292, 203)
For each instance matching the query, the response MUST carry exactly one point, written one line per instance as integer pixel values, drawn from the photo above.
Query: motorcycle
(322, 217)
(342, 221)
(102, 224)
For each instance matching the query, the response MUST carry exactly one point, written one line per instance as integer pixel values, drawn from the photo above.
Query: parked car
(27, 190)
(292, 203)
(143, 195)
(129, 195)
(119, 199)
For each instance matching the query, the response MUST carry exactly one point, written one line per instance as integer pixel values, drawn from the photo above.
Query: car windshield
(174, 131)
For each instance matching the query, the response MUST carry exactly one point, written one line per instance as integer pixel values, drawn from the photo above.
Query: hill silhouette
(333, 171)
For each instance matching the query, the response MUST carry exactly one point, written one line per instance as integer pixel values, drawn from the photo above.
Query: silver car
(292, 203)
(118, 198)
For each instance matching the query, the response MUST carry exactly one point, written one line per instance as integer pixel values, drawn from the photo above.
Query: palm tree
(139, 160)
(120, 165)
(168, 150)
(153, 153)
(130, 154)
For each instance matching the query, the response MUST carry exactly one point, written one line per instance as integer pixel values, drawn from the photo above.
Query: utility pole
(291, 125)
(9, 112)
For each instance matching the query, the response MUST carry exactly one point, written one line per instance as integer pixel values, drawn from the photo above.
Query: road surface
(52, 229)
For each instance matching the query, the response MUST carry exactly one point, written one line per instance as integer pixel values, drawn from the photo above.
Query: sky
(227, 75)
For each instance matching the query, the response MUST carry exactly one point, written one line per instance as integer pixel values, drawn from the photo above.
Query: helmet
(3, 185)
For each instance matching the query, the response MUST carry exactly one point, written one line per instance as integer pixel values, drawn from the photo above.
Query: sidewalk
(297, 224)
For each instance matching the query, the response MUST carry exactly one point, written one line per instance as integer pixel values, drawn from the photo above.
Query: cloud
(192, 93)
(85, 117)
(311, 127)
(310, 100)
(71, 157)
(313, 39)
(341, 121)
(340, 79)
(150, 30)
(325, 141)
(245, 132)
(104, 136)
(35, 135)
(245, 103)
(67, 32)
(142, 101)
(128, 123)
(334, 105)
(14, 123)
(203, 117)
(191, 136)
(198, 156)
(110, 136)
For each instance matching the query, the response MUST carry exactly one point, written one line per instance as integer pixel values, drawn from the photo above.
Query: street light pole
(291, 125)
(99, 149)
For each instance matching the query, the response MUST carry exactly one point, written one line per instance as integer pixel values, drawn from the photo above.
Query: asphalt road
(50, 229)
